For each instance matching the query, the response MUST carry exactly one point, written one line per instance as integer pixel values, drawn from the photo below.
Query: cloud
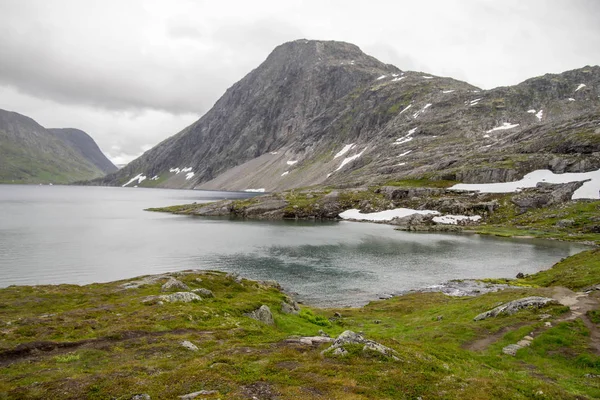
(135, 72)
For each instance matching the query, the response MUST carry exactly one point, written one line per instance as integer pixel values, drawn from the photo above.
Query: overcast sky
(131, 73)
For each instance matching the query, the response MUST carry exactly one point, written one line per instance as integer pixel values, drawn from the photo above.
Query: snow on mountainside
(324, 113)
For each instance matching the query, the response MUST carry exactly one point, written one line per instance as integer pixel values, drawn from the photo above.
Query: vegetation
(101, 341)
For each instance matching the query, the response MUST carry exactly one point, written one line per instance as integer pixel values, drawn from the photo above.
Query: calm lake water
(66, 234)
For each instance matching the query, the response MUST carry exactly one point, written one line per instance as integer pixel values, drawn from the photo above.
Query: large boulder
(516, 305)
(262, 314)
(546, 194)
(180, 297)
(174, 284)
(350, 337)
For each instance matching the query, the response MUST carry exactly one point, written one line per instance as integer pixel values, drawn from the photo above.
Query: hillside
(86, 146)
(30, 153)
(325, 113)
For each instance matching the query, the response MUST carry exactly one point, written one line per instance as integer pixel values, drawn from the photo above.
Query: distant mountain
(85, 145)
(30, 153)
(325, 113)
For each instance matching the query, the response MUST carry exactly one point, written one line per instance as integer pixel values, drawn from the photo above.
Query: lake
(70, 234)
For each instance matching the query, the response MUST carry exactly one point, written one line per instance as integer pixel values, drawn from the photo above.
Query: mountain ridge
(282, 125)
(30, 153)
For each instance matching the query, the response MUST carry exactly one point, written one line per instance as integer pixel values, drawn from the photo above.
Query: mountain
(85, 145)
(325, 113)
(30, 153)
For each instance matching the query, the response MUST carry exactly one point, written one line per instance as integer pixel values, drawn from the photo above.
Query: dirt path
(49, 348)
(579, 304)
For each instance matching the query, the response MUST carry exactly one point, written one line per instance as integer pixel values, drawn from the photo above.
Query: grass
(127, 347)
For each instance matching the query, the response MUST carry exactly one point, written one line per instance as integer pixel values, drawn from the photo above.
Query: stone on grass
(141, 396)
(262, 314)
(189, 345)
(511, 349)
(180, 297)
(516, 305)
(174, 284)
(289, 306)
(204, 292)
(350, 337)
(190, 396)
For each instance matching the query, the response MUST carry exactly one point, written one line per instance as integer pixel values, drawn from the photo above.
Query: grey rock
(262, 314)
(141, 396)
(189, 345)
(511, 349)
(546, 194)
(180, 297)
(289, 306)
(350, 337)
(191, 396)
(565, 223)
(173, 284)
(206, 293)
(516, 305)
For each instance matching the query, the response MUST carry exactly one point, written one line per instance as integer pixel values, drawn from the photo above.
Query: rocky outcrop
(174, 284)
(262, 314)
(516, 305)
(205, 293)
(546, 194)
(350, 337)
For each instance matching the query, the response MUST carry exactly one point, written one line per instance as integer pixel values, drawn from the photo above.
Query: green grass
(135, 348)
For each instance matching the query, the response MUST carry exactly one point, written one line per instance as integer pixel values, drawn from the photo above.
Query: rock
(272, 208)
(290, 307)
(337, 315)
(413, 220)
(516, 305)
(190, 396)
(520, 275)
(511, 349)
(204, 292)
(180, 297)
(440, 317)
(548, 324)
(262, 314)
(524, 343)
(323, 333)
(174, 284)
(310, 340)
(545, 194)
(350, 337)
(141, 396)
(528, 338)
(189, 345)
(565, 223)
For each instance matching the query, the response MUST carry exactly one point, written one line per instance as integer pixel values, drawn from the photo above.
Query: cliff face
(30, 153)
(325, 113)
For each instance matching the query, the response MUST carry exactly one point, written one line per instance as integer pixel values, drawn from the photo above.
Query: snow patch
(261, 190)
(427, 77)
(531, 111)
(395, 75)
(581, 86)
(189, 176)
(176, 170)
(386, 215)
(415, 115)
(273, 152)
(398, 79)
(453, 219)
(475, 102)
(504, 126)
(413, 130)
(486, 136)
(154, 178)
(400, 164)
(285, 173)
(381, 77)
(447, 91)
(589, 190)
(539, 115)
(405, 153)
(188, 169)
(291, 162)
(343, 151)
(406, 108)
(571, 99)
(140, 178)
(350, 159)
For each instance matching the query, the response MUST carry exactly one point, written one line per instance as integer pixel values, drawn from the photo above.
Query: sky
(132, 73)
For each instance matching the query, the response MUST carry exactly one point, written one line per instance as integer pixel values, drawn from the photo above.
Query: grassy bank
(100, 341)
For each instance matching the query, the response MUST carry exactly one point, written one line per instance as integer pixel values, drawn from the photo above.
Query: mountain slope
(324, 113)
(29, 153)
(86, 146)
